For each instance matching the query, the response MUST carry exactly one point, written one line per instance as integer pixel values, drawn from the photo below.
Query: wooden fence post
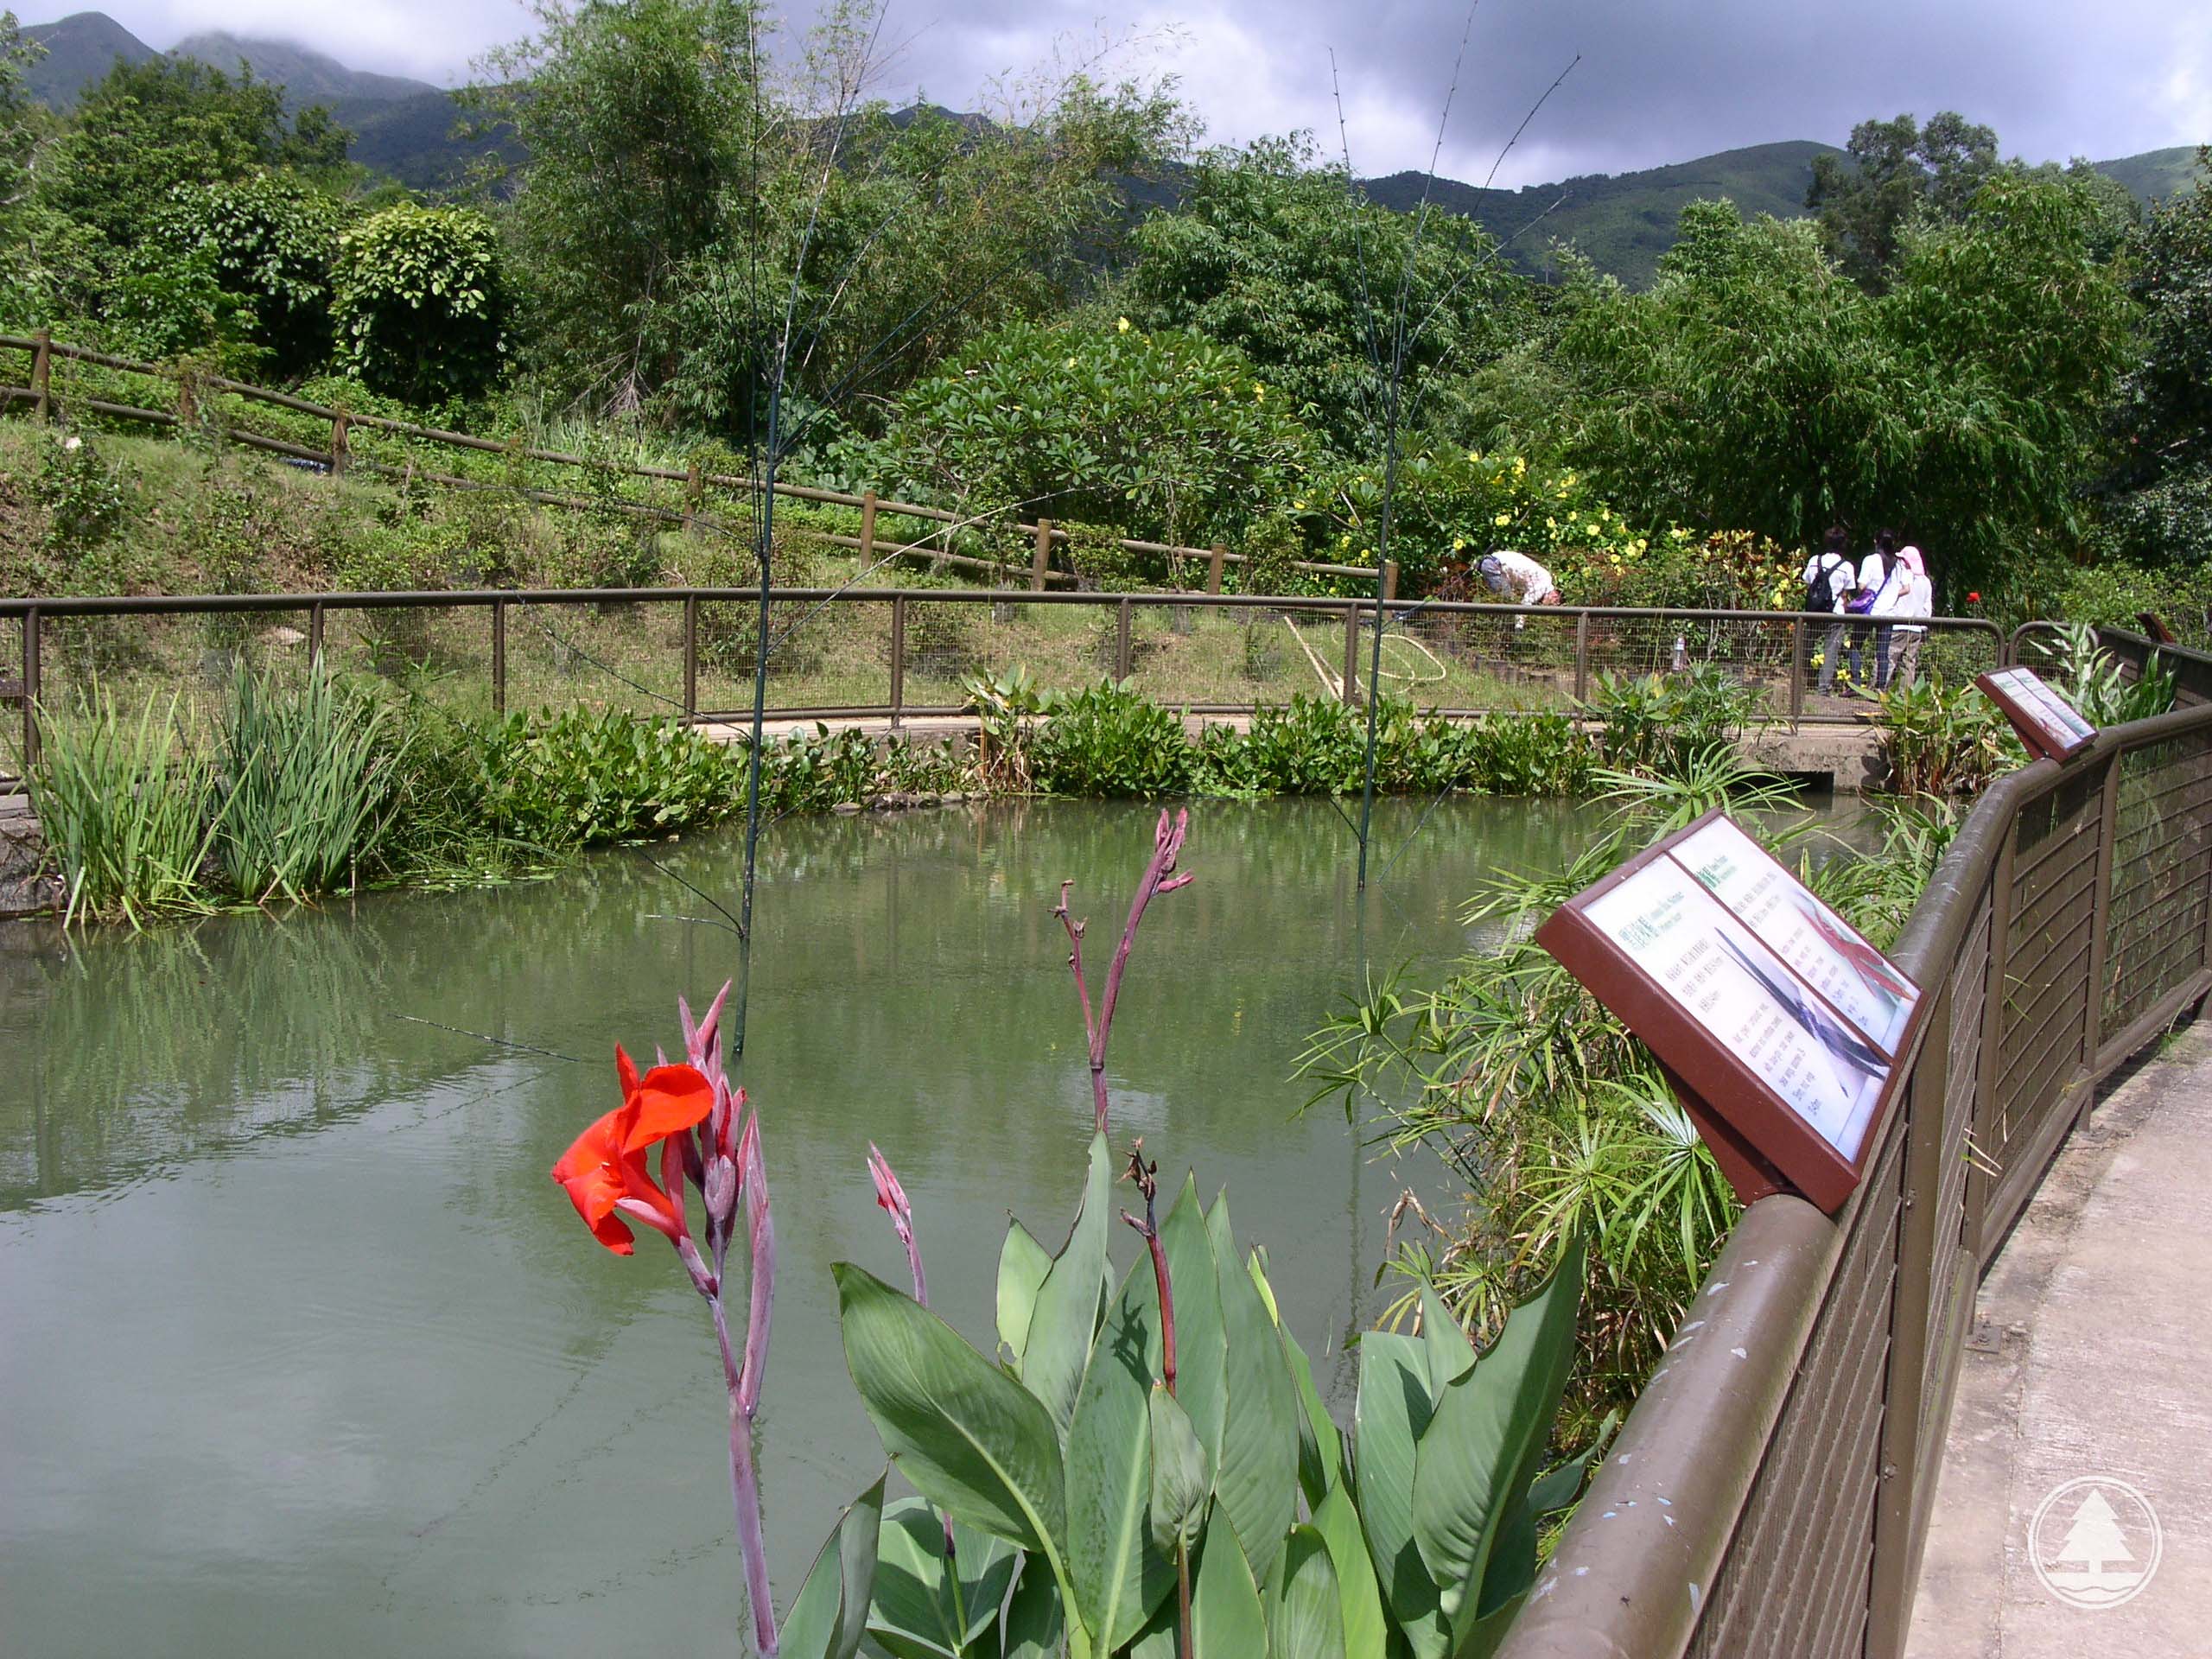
(691, 647)
(500, 657)
(1041, 559)
(1216, 557)
(30, 690)
(1352, 654)
(341, 452)
(694, 492)
(898, 655)
(1390, 580)
(867, 530)
(1121, 655)
(41, 375)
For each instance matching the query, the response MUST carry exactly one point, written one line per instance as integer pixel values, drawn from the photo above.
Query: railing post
(30, 691)
(1122, 660)
(1582, 656)
(695, 489)
(1994, 992)
(898, 651)
(691, 648)
(1900, 1497)
(1217, 556)
(867, 530)
(41, 375)
(1796, 670)
(500, 657)
(1041, 559)
(1390, 580)
(340, 449)
(314, 635)
(1351, 653)
(2093, 1017)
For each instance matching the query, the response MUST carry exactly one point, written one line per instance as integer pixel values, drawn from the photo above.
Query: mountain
(1622, 222)
(80, 50)
(307, 77)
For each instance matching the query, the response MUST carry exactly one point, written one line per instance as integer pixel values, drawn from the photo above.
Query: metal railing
(1770, 1493)
(896, 653)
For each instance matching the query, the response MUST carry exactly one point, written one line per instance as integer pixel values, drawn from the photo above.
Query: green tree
(1278, 256)
(1166, 434)
(420, 303)
(1894, 173)
(269, 239)
(2159, 510)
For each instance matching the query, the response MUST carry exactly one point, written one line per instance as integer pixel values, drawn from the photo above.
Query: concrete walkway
(2092, 1357)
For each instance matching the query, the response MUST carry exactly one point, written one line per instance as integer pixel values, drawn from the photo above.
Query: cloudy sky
(1657, 81)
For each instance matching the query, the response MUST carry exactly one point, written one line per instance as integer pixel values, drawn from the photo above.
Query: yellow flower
(1122, 326)
(1591, 528)
(1551, 524)
(1520, 465)
(1638, 544)
(1502, 518)
(1259, 393)
(1459, 544)
(1069, 363)
(1298, 506)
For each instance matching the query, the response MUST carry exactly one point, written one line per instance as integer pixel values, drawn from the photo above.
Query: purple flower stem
(744, 1489)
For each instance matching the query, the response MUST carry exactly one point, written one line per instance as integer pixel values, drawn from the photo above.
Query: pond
(304, 1352)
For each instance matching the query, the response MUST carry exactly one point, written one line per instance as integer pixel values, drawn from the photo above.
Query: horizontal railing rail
(902, 651)
(1770, 1493)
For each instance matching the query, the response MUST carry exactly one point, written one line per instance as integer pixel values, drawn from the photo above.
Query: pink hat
(1910, 557)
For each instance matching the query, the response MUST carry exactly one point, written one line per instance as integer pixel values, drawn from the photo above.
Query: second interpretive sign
(1781, 1024)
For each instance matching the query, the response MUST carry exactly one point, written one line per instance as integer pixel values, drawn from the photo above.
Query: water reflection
(301, 1337)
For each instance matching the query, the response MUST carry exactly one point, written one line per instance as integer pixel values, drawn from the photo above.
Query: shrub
(583, 777)
(420, 303)
(1944, 737)
(1109, 741)
(1655, 723)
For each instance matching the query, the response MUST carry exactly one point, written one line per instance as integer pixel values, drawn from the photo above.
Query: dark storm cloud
(1657, 82)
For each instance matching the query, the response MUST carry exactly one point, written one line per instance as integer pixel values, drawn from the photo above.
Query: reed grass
(306, 785)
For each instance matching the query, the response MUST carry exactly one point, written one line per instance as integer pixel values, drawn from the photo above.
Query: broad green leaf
(1118, 1577)
(830, 1614)
(1478, 1454)
(1201, 1350)
(1180, 1478)
(1366, 1631)
(1023, 1267)
(1226, 1613)
(972, 1440)
(1256, 1480)
(1388, 1419)
(1320, 1446)
(1306, 1617)
(1450, 1353)
(1065, 1320)
(914, 1613)
(1490, 1629)
(1035, 1626)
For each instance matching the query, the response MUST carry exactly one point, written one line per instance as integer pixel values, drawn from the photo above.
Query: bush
(583, 778)
(1109, 741)
(1655, 724)
(420, 303)
(1944, 737)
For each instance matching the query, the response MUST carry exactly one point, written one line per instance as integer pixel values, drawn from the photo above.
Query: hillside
(1624, 221)
(79, 50)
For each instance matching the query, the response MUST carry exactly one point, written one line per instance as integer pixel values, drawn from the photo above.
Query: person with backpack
(1909, 595)
(1873, 576)
(1830, 581)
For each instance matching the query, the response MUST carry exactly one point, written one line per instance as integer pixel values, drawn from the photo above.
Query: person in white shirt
(1516, 579)
(1830, 581)
(1908, 593)
(1873, 576)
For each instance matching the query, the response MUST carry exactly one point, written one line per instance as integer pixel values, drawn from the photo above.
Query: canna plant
(1145, 1466)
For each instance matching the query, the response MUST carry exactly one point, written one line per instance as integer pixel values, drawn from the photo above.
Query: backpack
(1820, 591)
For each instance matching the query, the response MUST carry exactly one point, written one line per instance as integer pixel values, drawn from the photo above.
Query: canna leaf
(913, 1613)
(1480, 1451)
(1320, 1446)
(1389, 1417)
(1036, 1627)
(1181, 1479)
(1064, 1322)
(1450, 1354)
(972, 1440)
(1305, 1610)
(1366, 1630)
(1201, 1348)
(1118, 1577)
(1256, 1480)
(830, 1614)
(1023, 1267)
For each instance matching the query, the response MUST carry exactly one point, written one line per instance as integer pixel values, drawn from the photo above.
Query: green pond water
(303, 1352)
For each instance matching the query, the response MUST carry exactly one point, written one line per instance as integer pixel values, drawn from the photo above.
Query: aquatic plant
(306, 783)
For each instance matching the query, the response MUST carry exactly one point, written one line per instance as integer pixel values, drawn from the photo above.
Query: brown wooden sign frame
(1763, 1143)
(2019, 692)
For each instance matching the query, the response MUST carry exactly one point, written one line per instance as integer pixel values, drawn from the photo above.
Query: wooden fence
(188, 388)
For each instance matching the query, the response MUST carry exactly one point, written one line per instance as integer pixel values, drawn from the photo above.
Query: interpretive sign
(2048, 724)
(1780, 1025)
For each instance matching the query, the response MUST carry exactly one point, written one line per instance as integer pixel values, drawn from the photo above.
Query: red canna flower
(605, 1170)
(1973, 598)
